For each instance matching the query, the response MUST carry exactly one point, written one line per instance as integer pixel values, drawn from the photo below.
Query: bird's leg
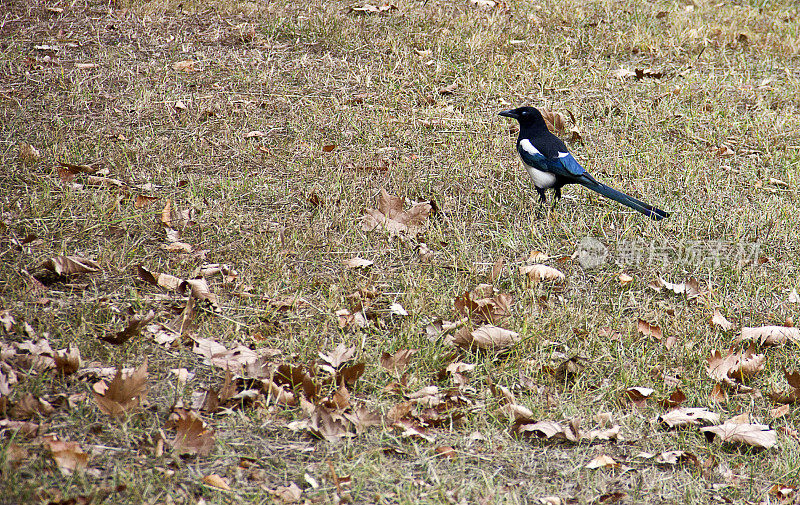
(540, 210)
(556, 196)
(542, 195)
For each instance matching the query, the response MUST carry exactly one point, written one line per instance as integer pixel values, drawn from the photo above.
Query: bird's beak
(509, 113)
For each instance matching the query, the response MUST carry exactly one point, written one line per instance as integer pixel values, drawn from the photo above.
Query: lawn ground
(170, 136)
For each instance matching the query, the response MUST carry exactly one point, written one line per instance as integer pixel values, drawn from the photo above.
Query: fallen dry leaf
(391, 216)
(66, 265)
(322, 422)
(104, 181)
(779, 411)
(555, 121)
(193, 436)
(7, 320)
(200, 291)
(791, 396)
(639, 395)
(497, 269)
(286, 303)
(677, 458)
(732, 365)
(602, 461)
(771, 335)
(67, 361)
(448, 90)
(671, 457)
(487, 337)
(623, 73)
(350, 374)
(686, 416)
(135, 325)
(288, 494)
(218, 355)
(362, 418)
(718, 394)
(357, 262)
(184, 322)
(30, 406)
(68, 456)
(24, 428)
(445, 451)
(482, 307)
(396, 309)
(782, 492)
(216, 481)
(15, 455)
(673, 400)
(625, 279)
(144, 200)
(374, 9)
(338, 356)
(719, 320)
(653, 330)
(295, 377)
(554, 430)
(28, 153)
(122, 394)
(397, 362)
(187, 66)
(722, 151)
(756, 435)
(538, 273)
(690, 288)
(163, 280)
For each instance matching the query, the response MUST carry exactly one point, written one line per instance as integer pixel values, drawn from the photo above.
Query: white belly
(541, 179)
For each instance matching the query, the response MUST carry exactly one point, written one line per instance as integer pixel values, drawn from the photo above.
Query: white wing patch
(562, 155)
(526, 146)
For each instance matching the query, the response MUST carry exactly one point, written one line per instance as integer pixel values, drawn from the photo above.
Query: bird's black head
(527, 116)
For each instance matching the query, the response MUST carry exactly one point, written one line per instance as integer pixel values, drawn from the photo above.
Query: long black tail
(618, 196)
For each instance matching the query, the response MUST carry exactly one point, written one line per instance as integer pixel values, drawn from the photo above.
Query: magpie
(550, 164)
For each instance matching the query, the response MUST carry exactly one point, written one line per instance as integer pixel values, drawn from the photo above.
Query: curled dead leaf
(771, 335)
(756, 435)
(193, 436)
(686, 416)
(135, 325)
(487, 337)
(649, 329)
(28, 153)
(391, 216)
(166, 281)
(123, 393)
(556, 122)
(538, 273)
(719, 320)
(602, 461)
(733, 365)
(482, 307)
(288, 494)
(187, 66)
(67, 265)
(68, 456)
(216, 481)
(357, 262)
(397, 362)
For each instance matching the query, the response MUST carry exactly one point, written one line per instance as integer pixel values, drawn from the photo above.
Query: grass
(291, 71)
